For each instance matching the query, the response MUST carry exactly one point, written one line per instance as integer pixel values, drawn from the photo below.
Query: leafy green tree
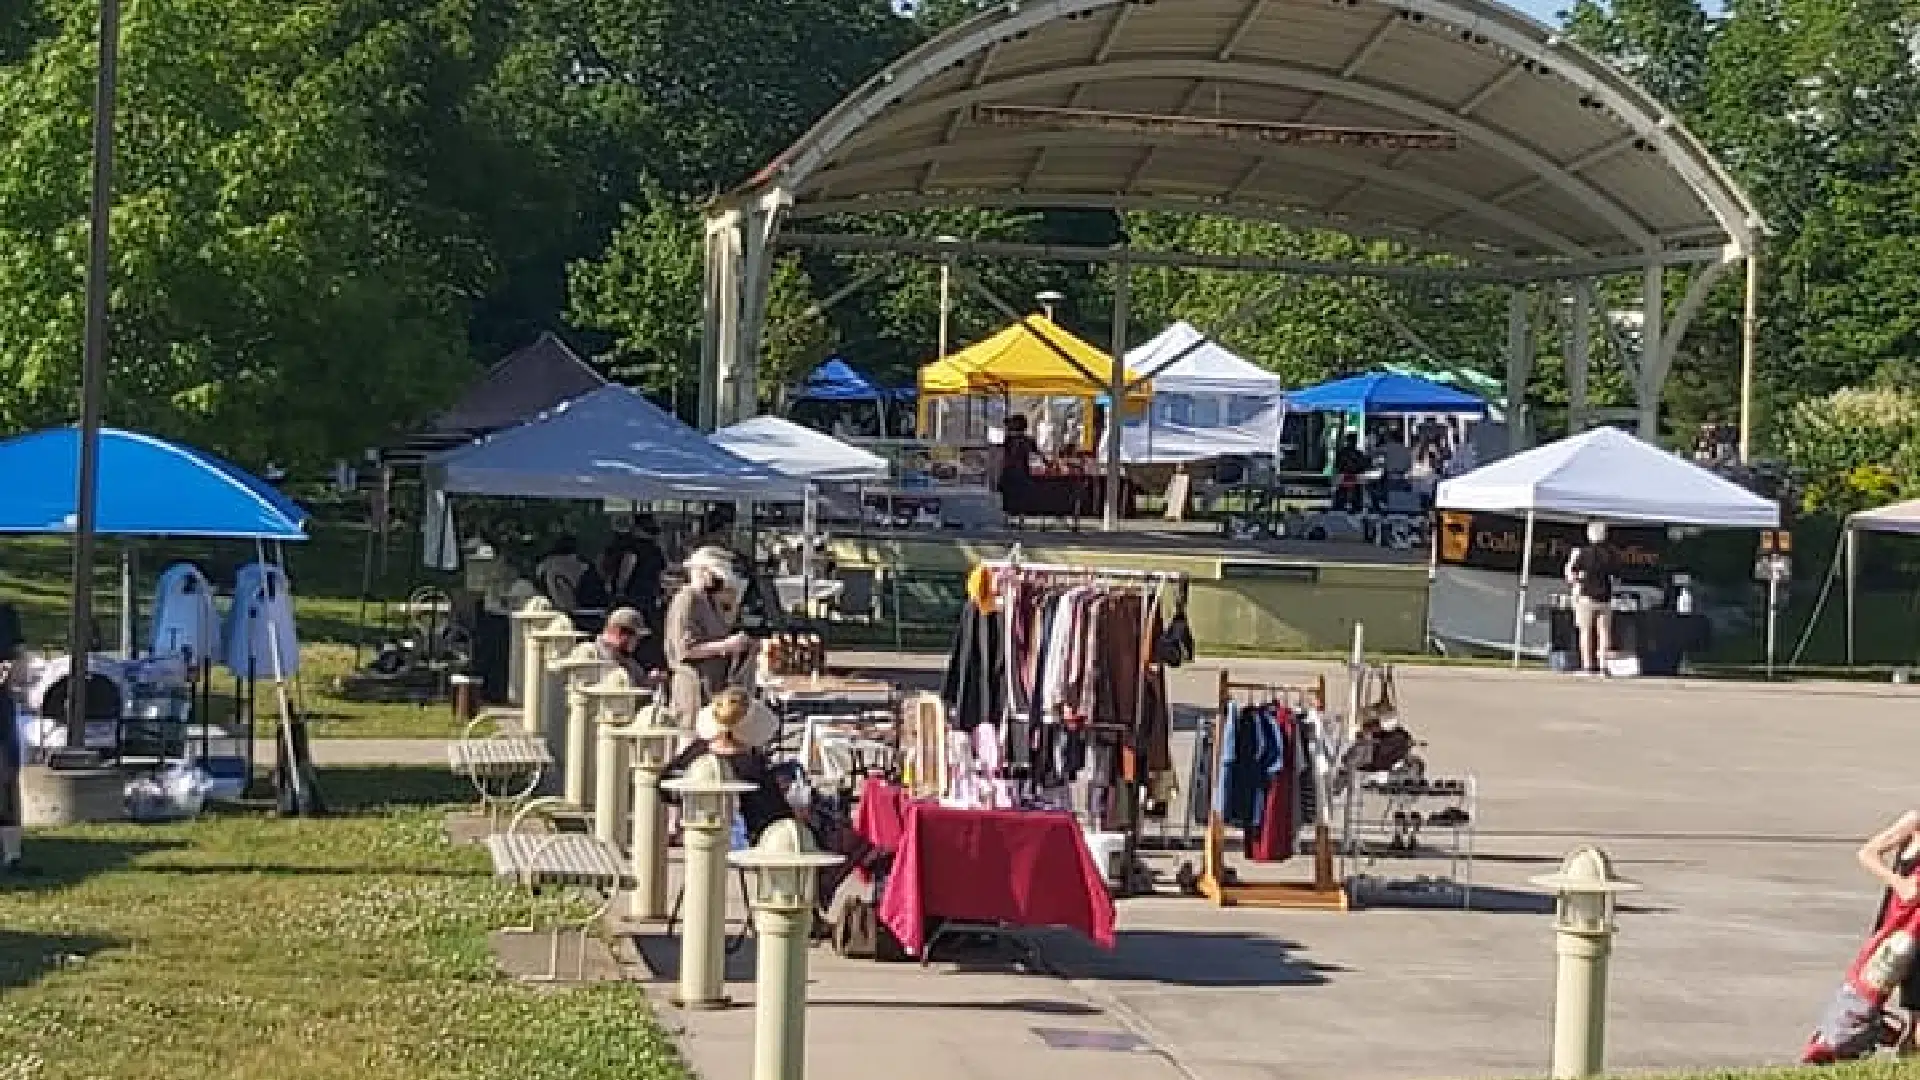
(1854, 448)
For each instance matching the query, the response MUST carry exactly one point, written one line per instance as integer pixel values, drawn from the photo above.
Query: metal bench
(555, 862)
(505, 769)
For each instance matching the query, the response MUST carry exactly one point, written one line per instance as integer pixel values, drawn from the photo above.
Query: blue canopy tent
(147, 487)
(1385, 392)
(838, 382)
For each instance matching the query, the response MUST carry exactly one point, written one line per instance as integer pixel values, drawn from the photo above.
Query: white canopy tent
(1602, 475)
(1900, 518)
(799, 452)
(609, 443)
(1207, 402)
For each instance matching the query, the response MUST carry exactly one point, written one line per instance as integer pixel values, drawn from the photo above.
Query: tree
(644, 293)
(274, 294)
(1854, 448)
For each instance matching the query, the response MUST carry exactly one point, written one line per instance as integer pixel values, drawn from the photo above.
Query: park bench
(547, 863)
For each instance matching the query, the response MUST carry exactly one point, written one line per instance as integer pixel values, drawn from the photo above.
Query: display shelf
(1393, 817)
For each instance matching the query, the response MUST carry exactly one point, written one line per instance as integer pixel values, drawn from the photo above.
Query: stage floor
(1202, 540)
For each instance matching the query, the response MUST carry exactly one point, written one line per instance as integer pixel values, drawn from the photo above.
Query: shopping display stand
(1133, 880)
(1221, 884)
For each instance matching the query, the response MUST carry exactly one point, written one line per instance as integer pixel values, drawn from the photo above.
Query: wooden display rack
(1217, 882)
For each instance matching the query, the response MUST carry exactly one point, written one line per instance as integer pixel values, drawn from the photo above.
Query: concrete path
(1737, 805)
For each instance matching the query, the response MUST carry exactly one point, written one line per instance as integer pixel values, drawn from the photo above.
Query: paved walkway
(1738, 806)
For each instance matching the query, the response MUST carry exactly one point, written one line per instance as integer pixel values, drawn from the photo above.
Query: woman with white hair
(1590, 571)
(704, 654)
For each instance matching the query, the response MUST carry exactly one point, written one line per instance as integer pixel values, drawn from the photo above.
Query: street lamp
(615, 698)
(707, 797)
(947, 244)
(537, 612)
(580, 669)
(653, 749)
(545, 706)
(1583, 924)
(785, 867)
(1047, 298)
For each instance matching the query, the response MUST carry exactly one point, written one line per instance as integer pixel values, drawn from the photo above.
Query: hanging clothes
(260, 639)
(186, 621)
(976, 681)
(1272, 840)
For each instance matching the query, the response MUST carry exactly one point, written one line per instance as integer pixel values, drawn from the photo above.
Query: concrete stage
(1259, 594)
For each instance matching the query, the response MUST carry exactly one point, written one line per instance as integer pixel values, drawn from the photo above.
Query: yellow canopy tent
(1034, 357)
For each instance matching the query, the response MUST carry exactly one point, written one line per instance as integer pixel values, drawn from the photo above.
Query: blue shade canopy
(836, 380)
(609, 443)
(147, 487)
(1385, 392)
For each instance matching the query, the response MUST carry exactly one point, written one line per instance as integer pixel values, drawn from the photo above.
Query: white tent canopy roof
(1182, 360)
(799, 452)
(609, 443)
(1898, 518)
(1608, 475)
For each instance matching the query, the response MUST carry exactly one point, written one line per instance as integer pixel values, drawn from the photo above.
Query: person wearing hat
(704, 654)
(736, 729)
(625, 641)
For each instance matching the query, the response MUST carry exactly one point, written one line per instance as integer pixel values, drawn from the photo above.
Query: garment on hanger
(1272, 840)
(260, 639)
(186, 621)
(976, 681)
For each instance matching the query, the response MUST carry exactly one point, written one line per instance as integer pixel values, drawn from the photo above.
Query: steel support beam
(1117, 387)
(1579, 354)
(1519, 367)
(1653, 304)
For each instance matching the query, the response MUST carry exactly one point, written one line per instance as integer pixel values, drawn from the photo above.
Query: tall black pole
(93, 376)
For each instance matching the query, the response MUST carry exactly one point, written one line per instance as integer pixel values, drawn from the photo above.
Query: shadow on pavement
(26, 958)
(1199, 959)
(1038, 1007)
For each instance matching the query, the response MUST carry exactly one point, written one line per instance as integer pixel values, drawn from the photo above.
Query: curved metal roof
(1558, 157)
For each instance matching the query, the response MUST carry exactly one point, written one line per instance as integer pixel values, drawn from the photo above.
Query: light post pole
(617, 699)
(1583, 940)
(947, 243)
(785, 866)
(1048, 299)
(546, 705)
(653, 748)
(580, 669)
(707, 796)
(93, 374)
(536, 613)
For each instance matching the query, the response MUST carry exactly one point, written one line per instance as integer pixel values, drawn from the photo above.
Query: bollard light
(653, 746)
(579, 669)
(546, 704)
(707, 793)
(614, 700)
(1585, 889)
(786, 871)
(532, 615)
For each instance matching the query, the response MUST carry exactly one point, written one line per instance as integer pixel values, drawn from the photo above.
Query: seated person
(734, 730)
(626, 642)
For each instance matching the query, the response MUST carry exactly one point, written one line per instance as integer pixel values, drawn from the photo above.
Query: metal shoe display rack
(1404, 815)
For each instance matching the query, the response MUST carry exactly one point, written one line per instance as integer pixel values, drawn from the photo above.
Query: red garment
(881, 814)
(1274, 841)
(1017, 868)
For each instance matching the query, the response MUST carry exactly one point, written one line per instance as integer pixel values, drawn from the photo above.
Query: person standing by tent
(1349, 465)
(11, 752)
(704, 654)
(560, 572)
(1589, 574)
(1015, 467)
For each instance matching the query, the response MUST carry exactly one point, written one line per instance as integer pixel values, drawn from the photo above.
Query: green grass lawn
(245, 947)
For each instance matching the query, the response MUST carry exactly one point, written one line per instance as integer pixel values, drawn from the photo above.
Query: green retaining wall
(1254, 603)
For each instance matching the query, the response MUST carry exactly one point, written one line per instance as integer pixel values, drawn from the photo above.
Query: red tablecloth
(1018, 868)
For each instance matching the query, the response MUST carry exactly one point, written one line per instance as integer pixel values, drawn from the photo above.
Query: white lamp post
(653, 748)
(785, 867)
(580, 669)
(546, 703)
(616, 698)
(707, 797)
(533, 615)
(1583, 939)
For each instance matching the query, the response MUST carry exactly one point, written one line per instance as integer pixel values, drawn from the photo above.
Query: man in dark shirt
(1589, 574)
(1349, 464)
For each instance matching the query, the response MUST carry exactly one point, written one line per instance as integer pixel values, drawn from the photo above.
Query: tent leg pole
(1117, 388)
(1520, 601)
(1853, 586)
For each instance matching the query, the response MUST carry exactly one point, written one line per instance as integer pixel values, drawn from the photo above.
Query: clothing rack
(1219, 883)
(1149, 582)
